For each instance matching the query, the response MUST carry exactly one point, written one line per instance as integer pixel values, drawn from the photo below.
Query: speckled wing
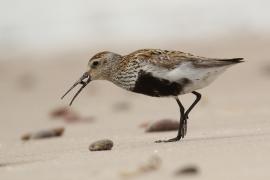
(172, 59)
(162, 58)
(184, 71)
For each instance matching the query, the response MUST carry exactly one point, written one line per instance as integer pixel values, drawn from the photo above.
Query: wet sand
(228, 132)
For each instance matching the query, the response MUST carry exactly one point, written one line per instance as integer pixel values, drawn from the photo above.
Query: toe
(169, 140)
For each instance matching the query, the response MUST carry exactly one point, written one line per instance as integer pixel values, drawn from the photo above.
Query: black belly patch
(152, 86)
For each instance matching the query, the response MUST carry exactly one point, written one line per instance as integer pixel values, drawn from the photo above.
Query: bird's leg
(198, 98)
(181, 130)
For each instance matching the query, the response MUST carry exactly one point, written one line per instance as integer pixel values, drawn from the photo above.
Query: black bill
(80, 81)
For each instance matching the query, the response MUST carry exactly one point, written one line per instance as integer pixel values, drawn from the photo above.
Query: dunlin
(157, 73)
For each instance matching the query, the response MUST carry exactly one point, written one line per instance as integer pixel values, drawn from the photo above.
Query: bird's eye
(95, 63)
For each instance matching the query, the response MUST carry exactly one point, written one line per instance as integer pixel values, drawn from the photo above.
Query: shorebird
(157, 73)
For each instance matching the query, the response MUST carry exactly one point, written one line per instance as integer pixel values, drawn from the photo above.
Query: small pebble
(101, 145)
(44, 134)
(153, 164)
(188, 170)
(66, 113)
(60, 112)
(163, 125)
(69, 116)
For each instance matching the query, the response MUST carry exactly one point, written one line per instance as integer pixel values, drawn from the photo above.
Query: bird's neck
(124, 73)
(112, 68)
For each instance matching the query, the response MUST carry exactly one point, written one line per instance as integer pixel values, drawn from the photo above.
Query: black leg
(198, 98)
(181, 129)
(183, 118)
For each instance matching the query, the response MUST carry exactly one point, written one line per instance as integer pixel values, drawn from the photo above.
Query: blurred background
(61, 26)
(45, 47)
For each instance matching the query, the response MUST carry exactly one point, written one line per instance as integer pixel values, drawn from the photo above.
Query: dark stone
(188, 170)
(163, 125)
(101, 145)
(56, 132)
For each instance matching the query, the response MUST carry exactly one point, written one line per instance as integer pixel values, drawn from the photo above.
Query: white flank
(200, 77)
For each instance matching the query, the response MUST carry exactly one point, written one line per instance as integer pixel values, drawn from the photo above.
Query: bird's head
(99, 67)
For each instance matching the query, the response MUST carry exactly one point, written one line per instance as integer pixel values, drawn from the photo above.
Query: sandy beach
(228, 132)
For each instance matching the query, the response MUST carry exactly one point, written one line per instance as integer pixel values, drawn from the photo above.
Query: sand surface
(228, 132)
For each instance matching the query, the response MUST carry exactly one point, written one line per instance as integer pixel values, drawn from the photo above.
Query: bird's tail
(212, 63)
(232, 61)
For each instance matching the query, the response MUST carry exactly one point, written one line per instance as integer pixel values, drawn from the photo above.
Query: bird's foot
(181, 134)
(169, 140)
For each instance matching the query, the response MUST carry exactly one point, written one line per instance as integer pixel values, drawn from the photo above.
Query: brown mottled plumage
(163, 58)
(157, 73)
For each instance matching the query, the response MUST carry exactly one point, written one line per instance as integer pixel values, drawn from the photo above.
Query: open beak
(80, 81)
